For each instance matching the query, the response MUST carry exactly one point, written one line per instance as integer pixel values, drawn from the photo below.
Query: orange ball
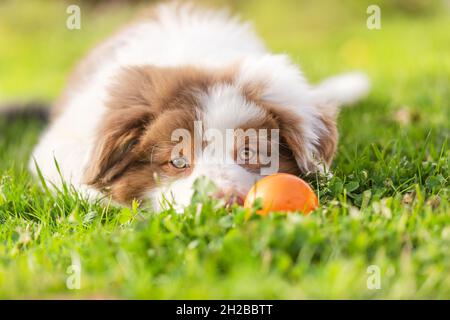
(282, 192)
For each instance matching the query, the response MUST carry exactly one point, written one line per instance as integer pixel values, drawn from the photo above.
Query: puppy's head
(166, 127)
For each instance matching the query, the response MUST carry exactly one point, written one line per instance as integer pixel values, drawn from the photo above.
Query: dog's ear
(327, 142)
(311, 157)
(114, 148)
(129, 111)
(329, 97)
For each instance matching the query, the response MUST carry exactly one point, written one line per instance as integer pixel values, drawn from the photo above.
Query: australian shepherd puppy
(183, 93)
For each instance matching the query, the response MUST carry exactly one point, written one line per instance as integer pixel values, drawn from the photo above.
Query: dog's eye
(180, 163)
(246, 154)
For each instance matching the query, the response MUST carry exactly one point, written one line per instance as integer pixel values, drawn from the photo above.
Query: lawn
(385, 211)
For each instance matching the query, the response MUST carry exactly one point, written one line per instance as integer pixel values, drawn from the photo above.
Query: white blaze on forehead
(225, 107)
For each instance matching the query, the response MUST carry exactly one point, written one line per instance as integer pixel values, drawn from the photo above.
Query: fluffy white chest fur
(177, 66)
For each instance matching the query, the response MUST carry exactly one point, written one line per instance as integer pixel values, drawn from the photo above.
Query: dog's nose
(236, 198)
(230, 197)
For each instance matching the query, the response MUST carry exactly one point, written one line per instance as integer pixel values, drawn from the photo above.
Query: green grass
(387, 204)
